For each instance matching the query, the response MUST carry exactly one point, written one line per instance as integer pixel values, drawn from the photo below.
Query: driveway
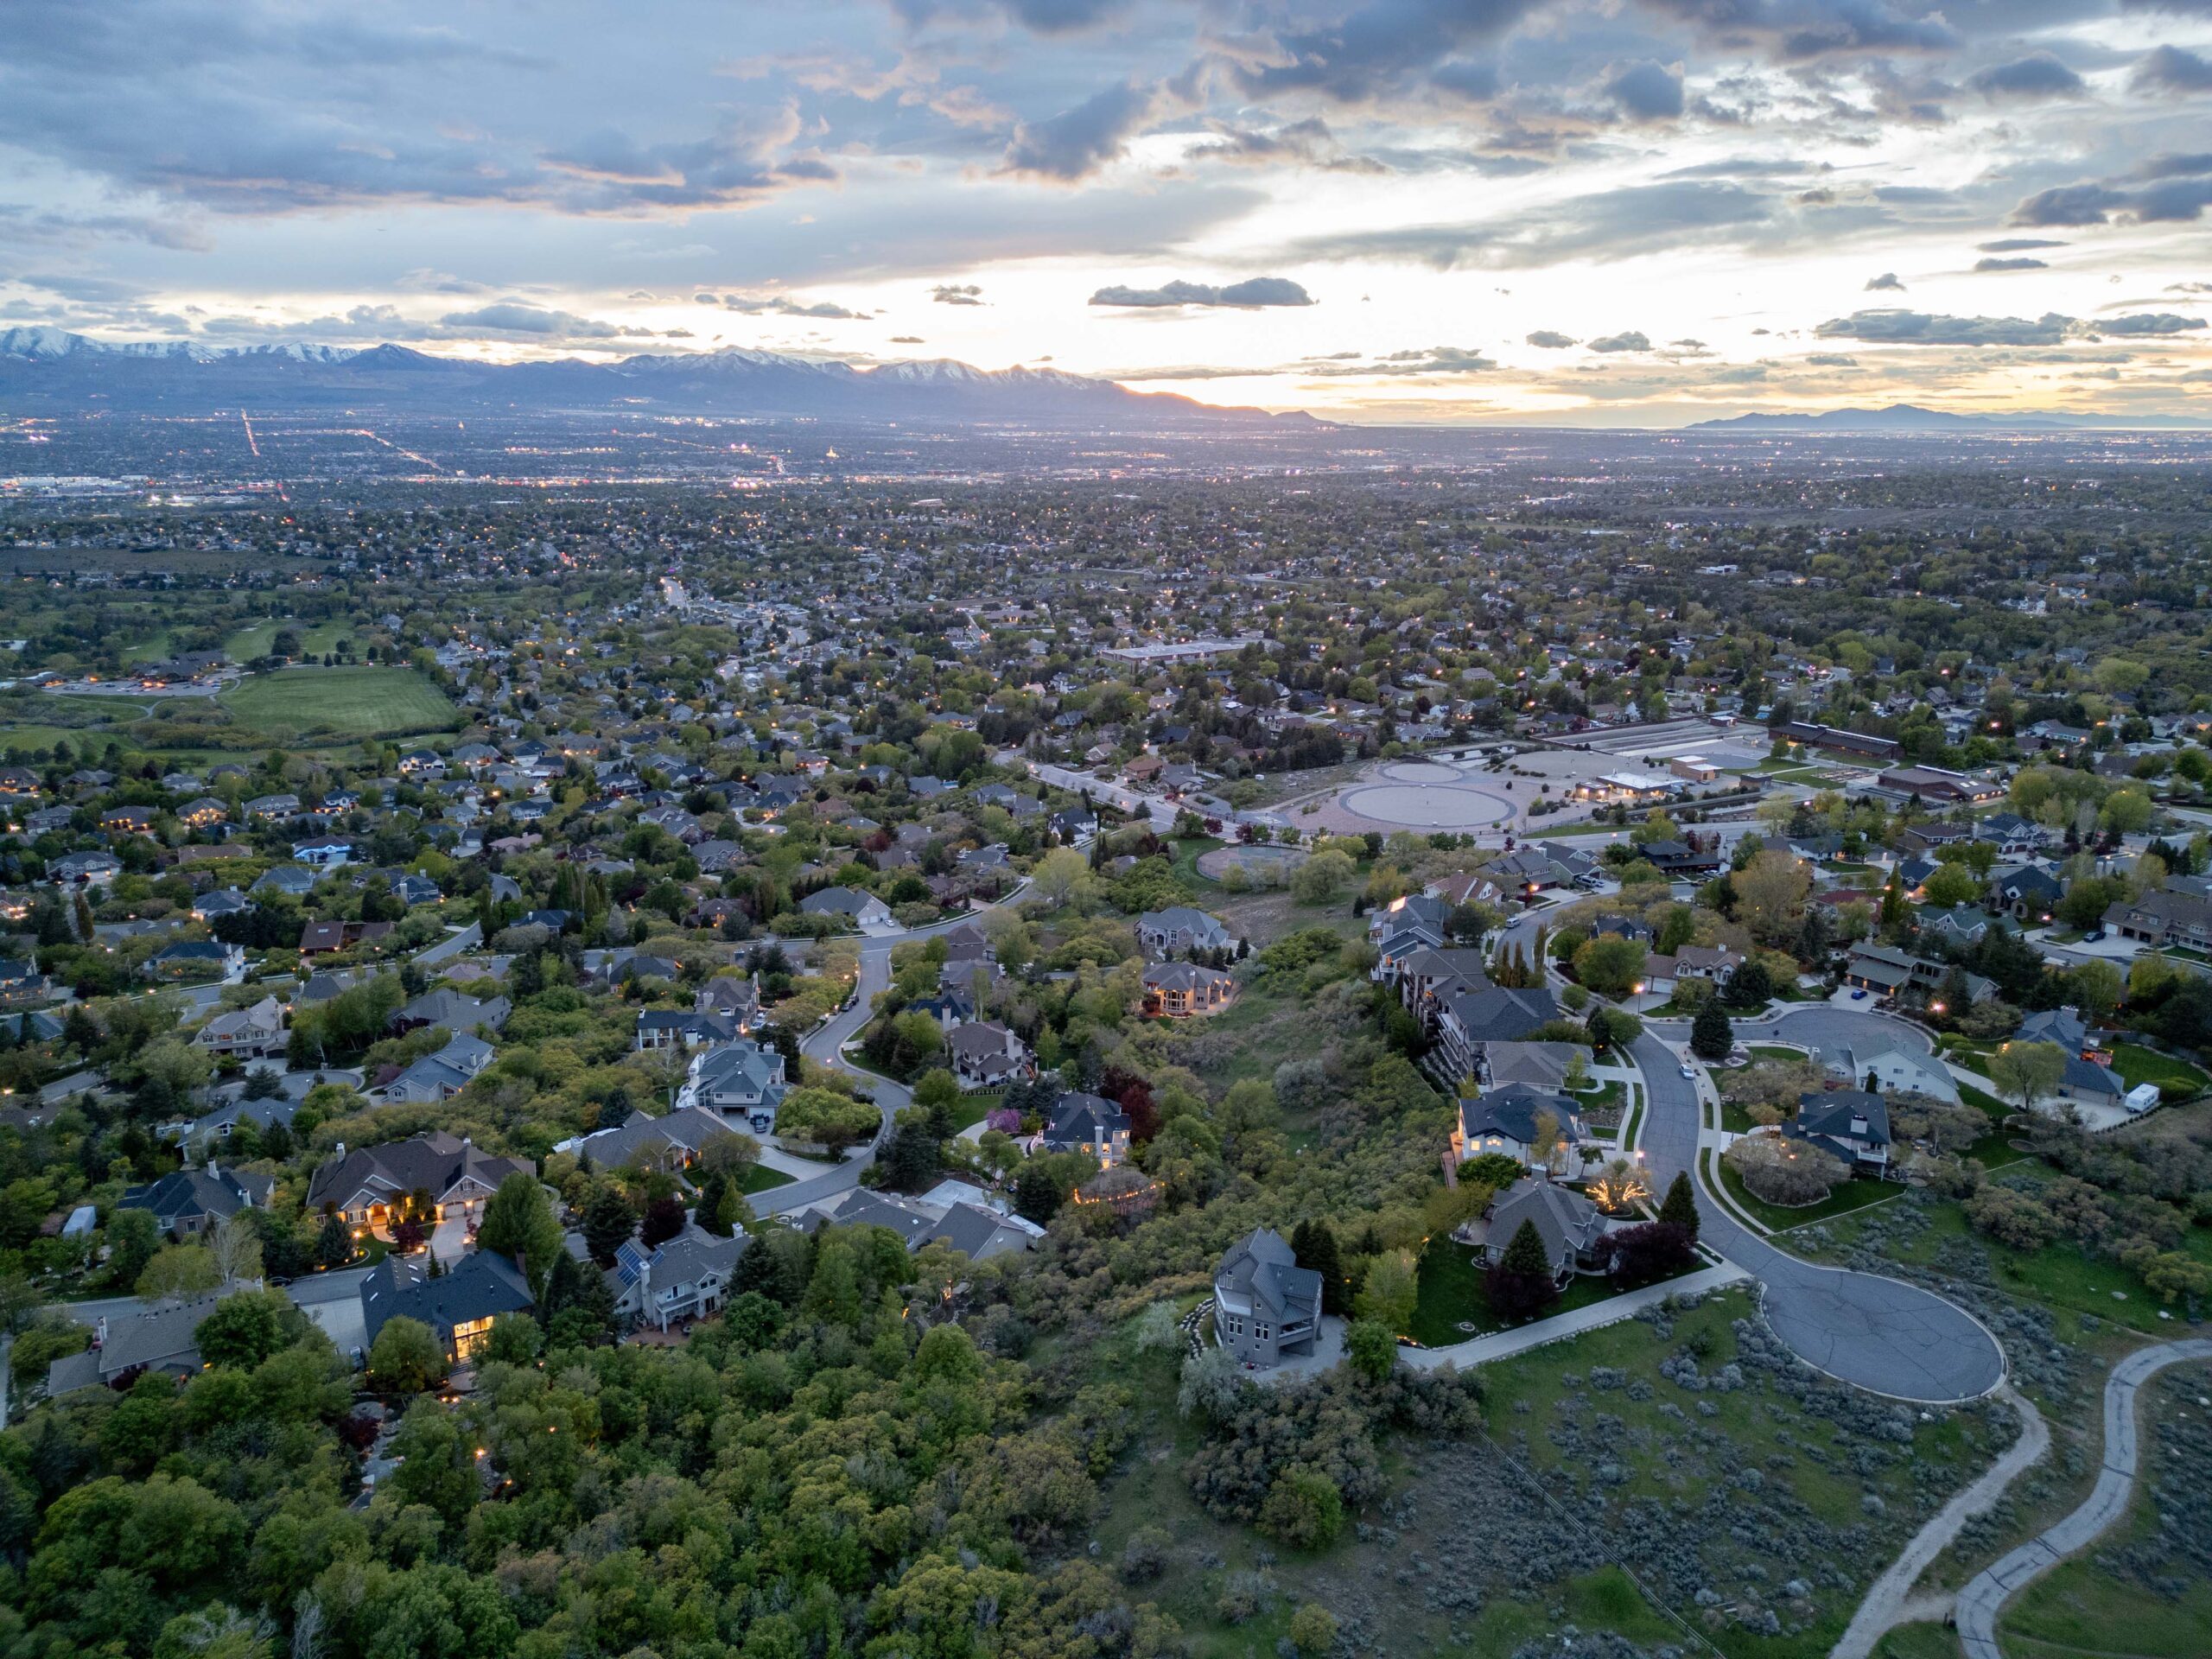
(1880, 1334)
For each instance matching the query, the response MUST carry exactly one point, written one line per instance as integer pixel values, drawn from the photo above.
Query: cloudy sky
(1603, 211)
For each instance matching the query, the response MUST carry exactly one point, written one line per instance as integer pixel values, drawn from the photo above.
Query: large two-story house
(1265, 1306)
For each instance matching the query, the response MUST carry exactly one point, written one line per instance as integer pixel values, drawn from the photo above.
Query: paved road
(1985, 1596)
(1879, 1333)
(1822, 1026)
(1890, 1602)
(822, 1046)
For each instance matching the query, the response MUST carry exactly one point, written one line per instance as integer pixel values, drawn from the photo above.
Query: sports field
(308, 703)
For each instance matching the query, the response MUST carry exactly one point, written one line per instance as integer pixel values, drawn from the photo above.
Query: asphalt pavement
(1877, 1333)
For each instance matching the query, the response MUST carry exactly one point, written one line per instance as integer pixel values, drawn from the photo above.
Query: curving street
(1880, 1334)
(1985, 1594)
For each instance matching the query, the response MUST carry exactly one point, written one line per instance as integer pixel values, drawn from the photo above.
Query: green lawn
(761, 1178)
(315, 638)
(1450, 1290)
(2137, 1064)
(970, 1109)
(1918, 1640)
(1853, 1194)
(297, 703)
(1772, 1052)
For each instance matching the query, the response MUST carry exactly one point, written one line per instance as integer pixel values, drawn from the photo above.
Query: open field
(315, 638)
(2144, 1590)
(311, 703)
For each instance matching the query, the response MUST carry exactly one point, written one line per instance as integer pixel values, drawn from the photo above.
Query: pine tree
(1520, 1284)
(1712, 1036)
(1315, 1244)
(1679, 1209)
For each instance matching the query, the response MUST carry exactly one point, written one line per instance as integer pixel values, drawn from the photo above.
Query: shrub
(1313, 1629)
(405, 1358)
(1303, 1510)
(1776, 1170)
(1145, 1556)
(1646, 1254)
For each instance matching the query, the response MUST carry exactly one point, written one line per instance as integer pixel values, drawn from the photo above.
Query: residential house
(156, 1337)
(1467, 1020)
(460, 1307)
(252, 1032)
(324, 852)
(1086, 1122)
(731, 999)
(451, 1010)
(326, 938)
(435, 1077)
(862, 909)
(685, 1278)
(670, 1141)
(1513, 1119)
(185, 1202)
(196, 959)
(2027, 893)
(2166, 918)
(21, 982)
(1181, 929)
(365, 1187)
(683, 1028)
(1265, 1306)
(1885, 1066)
(1850, 1124)
(738, 1080)
(986, 1055)
(1567, 1223)
(1176, 990)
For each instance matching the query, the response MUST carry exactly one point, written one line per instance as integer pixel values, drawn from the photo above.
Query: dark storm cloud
(1925, 328)
(2171, 69)
(1647, 92)
(2037, 76)
(1251, 295)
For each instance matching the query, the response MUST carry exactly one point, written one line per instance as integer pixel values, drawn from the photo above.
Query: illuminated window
(469, 1335)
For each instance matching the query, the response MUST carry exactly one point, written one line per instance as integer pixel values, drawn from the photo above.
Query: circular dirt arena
(1420, 772)
(1253, 861)
(1429, 806)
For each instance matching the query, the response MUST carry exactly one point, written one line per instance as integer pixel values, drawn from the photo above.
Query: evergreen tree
(608, 1220)
(1679, 1209)
(333, 1246)
(1712, 1036)
(1520, 1284)
(1315, 1244)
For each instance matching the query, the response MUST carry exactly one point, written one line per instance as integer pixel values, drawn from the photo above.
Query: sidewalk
(1502, 1343)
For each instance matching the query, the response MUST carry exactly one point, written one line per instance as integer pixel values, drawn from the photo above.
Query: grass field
(298, 703)
(2139, 1064)
(2082, 1606)
(1853, 1194)
(1450, 1292)
(315, 638)
(761, 1178)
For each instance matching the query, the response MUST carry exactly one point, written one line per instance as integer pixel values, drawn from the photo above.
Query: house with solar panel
(687, 1277)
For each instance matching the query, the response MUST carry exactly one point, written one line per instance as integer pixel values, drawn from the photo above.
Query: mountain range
(1911, 420)
(50, 370)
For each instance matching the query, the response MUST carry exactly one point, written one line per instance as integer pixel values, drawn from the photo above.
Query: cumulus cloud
(1647, 90)
(1887, 283)
(1831, 360)
(1252, 294)
(1629, 340)
(2039, 75)
(2023, 263)
(1927, 328)
(2171, 69)
(1550, 340)
(1077, 143)
(956, 294)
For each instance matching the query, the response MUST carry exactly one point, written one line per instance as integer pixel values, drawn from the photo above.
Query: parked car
(1689, 1071)
(1859, 996)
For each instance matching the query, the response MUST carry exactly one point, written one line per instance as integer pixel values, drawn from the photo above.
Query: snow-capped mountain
(50, 370)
